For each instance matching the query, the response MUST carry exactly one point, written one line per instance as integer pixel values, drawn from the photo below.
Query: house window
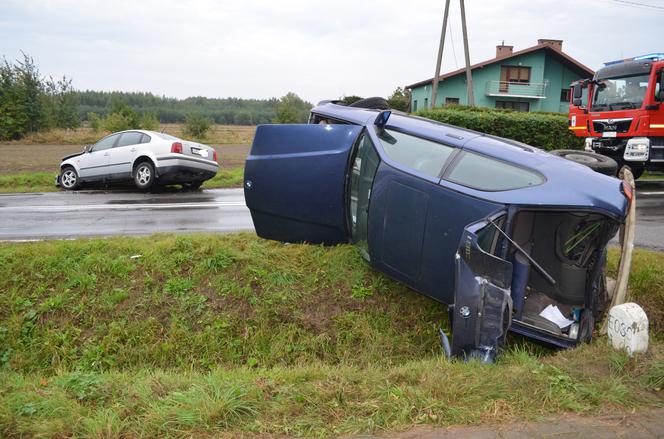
(415, 105)
(451, 101)
(426, 103)
(564, 95)
(513, 75)
(513, 105)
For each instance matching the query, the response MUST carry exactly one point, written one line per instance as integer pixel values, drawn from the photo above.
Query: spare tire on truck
(375, 103)
(597, 162)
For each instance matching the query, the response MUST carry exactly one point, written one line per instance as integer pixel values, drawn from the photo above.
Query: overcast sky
(319, 50)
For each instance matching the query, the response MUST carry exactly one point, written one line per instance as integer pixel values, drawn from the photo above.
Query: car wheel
(144, 175)
(376, 103)
(597, 162)
(69, 178)
(192, 186)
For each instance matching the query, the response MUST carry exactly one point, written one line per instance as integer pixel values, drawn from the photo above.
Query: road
(126, 212)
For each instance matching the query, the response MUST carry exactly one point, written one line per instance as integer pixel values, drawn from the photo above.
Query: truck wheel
(637, 171)
(597, 162)
(376, 103)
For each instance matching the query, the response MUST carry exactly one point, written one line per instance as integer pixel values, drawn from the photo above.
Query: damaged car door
(482, 311)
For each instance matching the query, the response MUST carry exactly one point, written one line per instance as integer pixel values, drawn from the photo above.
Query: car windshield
(626, 92)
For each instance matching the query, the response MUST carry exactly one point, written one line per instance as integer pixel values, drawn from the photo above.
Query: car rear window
(130, 138)
(415, 153)
(488, 174)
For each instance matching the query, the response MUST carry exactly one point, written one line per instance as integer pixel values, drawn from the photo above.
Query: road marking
(150, 206)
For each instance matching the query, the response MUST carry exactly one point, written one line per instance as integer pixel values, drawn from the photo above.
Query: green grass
(208, 335)
(45, 181)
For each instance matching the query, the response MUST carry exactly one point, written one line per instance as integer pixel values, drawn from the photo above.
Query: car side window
(105, 143)
(362, 173)
(419, 154)
(488, 174)
(129, 138)
(145, 138)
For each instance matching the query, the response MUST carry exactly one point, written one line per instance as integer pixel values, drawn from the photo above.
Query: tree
(292, 109)
(400, 99)
(62, 103)
(196, 126)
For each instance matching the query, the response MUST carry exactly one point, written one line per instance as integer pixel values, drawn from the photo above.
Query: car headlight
(589, 144)
(637, 149)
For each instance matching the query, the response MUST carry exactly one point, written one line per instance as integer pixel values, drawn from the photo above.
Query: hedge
(543, 130)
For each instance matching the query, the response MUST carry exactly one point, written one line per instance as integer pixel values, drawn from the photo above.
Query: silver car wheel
(69, 179)
(144, 175)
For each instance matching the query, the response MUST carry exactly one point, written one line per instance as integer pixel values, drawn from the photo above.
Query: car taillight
(176, 148)
(214, 155)
(627, 190)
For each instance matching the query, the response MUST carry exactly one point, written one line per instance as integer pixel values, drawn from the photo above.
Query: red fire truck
(620, 112)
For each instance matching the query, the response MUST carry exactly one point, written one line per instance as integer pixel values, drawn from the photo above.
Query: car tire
(192, 186)
(69, 178)
(375, 103)
(144, 176)
(597, 162)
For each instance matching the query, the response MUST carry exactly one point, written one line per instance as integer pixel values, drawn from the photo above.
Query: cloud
(319, 50)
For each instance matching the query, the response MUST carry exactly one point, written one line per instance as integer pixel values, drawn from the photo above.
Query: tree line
(30, 102)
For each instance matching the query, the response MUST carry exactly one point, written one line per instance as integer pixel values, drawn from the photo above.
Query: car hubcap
(69, 179)
(144, 175)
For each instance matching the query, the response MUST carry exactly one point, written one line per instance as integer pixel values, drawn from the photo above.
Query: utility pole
(469, 74)
(434, 88)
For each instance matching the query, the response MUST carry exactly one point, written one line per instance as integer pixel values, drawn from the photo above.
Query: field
(208, 335)
(31, 165)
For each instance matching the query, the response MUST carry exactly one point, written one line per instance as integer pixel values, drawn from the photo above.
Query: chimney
(554, 44)
(502, 50)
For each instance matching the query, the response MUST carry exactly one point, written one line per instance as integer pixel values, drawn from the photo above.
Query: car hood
(67, 157)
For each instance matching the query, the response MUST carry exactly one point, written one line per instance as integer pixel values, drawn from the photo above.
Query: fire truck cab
(620, 112)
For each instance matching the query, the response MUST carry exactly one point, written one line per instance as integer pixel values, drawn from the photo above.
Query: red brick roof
(565, 57)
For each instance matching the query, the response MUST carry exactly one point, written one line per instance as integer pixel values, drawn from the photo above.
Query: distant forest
(227, 111)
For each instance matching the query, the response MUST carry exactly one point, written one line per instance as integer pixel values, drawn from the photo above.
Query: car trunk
(570, 247)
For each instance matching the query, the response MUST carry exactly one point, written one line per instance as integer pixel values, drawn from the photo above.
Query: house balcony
(527, 90)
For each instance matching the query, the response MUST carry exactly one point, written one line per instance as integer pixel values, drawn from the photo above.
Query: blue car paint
(312, 207)
(415, 221)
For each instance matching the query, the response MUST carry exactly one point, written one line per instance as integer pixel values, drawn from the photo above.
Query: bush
(543, 130)
(149, 121)
(118, 122)
(95, 122)
(196, 126)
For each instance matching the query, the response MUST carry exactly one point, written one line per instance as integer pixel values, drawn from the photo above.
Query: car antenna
(548, 277)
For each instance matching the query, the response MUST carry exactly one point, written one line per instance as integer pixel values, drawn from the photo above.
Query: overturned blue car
(509, 236)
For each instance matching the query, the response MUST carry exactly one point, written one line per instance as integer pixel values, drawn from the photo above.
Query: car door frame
(96, 160)
(122, 157)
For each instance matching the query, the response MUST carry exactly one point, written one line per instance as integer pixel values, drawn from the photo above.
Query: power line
(638, 4)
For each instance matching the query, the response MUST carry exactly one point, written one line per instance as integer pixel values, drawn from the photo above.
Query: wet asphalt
(66, 215)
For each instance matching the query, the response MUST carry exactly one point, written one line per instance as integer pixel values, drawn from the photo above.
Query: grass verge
(210, 335)
(45, 181)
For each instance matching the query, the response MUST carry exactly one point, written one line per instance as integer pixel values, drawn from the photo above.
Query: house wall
(544, 67)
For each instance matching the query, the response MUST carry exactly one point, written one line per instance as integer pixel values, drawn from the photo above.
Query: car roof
(568, 184)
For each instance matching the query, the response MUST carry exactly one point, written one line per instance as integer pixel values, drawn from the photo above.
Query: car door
(295, 182)
(93, 165)
(482, 309)
(122, 155)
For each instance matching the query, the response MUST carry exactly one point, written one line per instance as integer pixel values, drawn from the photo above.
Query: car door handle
(106, 154)
(133, 150)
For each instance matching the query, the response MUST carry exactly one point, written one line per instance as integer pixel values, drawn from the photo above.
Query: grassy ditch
(211, 335)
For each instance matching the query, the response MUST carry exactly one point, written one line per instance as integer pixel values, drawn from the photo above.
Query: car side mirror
(577, 92)
(87, 148)
(577, 102)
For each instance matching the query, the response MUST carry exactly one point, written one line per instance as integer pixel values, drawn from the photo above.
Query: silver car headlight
(637, 149)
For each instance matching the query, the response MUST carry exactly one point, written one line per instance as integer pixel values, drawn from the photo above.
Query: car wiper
(542, 271)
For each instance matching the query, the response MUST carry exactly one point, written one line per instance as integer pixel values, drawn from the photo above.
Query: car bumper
(185, 169)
